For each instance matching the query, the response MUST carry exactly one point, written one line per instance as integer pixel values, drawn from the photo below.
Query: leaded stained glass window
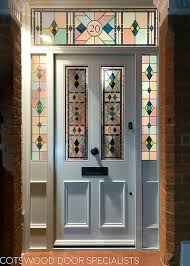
(94, 27)
(149, 107)
(139, 28)
(39, 108)
(76, 113)
(112, 113)
(50, 27)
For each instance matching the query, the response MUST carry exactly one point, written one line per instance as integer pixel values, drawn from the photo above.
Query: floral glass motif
(94, 27)
(112, 113)
(76, 113)
(149, 107)
(39, 108)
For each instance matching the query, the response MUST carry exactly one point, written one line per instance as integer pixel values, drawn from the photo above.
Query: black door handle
(130, 125)
(94, 151)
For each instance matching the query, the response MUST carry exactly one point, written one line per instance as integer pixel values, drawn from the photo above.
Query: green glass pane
(61, 37)
(153, 59)
(35, 156)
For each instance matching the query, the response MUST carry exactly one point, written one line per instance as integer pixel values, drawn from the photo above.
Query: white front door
(94, 150)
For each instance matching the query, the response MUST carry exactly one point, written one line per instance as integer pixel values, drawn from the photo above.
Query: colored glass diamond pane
(112, 84)
(77, 149)
(149, 143)
(39, 142)
(81, 28)
(39, 72)
(37, 28)
(54, 28)
(107, 28)
(112, 77)
(149, 72)
(76, 142)
(149, 107)
(76, 77)
(39, 107)
(76, 84)
(112, 80)
(118, 28)
(70, 28)
(135, 28)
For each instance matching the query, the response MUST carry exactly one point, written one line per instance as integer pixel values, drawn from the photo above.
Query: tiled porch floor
(89, 257)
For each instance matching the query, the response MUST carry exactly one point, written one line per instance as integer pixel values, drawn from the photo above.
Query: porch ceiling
(93, 3)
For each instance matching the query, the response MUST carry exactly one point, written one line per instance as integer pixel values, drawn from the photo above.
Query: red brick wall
(182, 129)
(167, 141)
(175, 136)
(10, 137)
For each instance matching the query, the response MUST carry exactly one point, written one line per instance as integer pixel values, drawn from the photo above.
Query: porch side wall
(174, 136)
(182, 130)
(10, 137)
(167, 141)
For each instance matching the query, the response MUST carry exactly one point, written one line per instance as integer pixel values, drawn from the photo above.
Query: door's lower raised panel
(150, 205)
(151, 237)
(77, 204)
(39, 171)
(112, 204)
(38, 203)
(38, 238)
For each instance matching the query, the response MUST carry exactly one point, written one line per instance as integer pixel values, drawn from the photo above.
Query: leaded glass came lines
(112, 113)
(149, 107)
(94, 27)
(76, 113)
(39, 108)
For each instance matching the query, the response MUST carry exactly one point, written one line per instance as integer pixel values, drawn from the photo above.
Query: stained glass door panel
(112, 112)
(76, 113)
(95, 100)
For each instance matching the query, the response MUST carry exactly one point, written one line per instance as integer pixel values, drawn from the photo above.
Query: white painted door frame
(49, 182)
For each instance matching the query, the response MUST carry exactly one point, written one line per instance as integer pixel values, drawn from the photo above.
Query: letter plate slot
(94, 171)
